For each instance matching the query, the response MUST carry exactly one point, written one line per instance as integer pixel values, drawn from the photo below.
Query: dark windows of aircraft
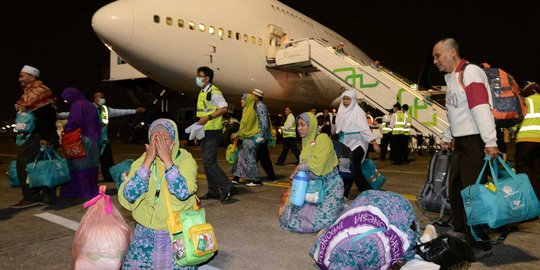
(229, 33)
(156, 18)
(180, 23)
(246, 38)
(191, 25)
(260, 42)
(168, 20)
(253, 39)
(237, 36)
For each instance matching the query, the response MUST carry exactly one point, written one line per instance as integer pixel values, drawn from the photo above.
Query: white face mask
(101, 101)
(199, 81)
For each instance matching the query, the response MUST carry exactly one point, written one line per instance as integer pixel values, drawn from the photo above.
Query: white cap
(30, 70)
(258, 92)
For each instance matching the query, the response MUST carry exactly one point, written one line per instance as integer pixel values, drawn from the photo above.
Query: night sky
(57, 37)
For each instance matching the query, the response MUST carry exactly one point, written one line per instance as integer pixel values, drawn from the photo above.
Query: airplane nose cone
(113, 24)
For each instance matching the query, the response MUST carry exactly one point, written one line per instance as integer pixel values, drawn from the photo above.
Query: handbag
(446, 251)
(231, 155)
(505, 200)
(193, 239)
(49, 172)
(25, 122)
(315, 191)
(374, 177)
(120, 171)
(13, 180)
(273, 138)
(72, 144)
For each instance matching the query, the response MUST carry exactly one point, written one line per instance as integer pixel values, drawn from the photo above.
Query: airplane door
(274, 36)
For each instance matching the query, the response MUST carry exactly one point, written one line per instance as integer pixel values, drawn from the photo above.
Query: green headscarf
(143, 208)
(317, 150)
(249, 124)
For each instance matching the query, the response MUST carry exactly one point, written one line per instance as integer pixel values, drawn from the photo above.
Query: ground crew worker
(387, 134)
(289, 137)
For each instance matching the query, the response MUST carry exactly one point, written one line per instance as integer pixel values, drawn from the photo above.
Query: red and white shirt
(469, 109)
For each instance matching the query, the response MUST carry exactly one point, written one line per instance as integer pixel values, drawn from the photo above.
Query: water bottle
(299, 188)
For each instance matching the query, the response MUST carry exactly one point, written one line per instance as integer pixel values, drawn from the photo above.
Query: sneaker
(254, 184)
(429, 234)
(25, 204)
(270, 181)
(235, 182)
(480, 254)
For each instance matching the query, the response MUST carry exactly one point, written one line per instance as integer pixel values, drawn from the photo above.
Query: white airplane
(252, 44)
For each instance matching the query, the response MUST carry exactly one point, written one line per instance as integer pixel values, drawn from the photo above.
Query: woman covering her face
(164, 167)
(319, 159)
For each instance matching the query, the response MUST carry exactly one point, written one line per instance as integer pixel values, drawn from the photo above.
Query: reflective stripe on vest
(399, 126)
(407, 128)
(530, 126)
(104, 115)
(290, 132)
(385, 129)
(205, 108)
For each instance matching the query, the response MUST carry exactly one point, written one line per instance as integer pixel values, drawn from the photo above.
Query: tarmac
(247, 230)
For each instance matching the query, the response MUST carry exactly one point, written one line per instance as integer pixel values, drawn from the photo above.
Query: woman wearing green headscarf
(250, 134)
(319, 159)
(163, 164)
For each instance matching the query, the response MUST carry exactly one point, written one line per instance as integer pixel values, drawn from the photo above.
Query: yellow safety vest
(204, 108)
(385, 128)
(290, 132)
(530, 126)
(407, 128)
(399, 126)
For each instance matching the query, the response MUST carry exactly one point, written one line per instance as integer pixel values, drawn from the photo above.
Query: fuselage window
(260, 42)
(211, 30)
(253, 40)
(220, 32)
(180, 23)
(246, 38)
(202, 27)
(191, 25)
(237, 36)
(156, 18)
(168, 21)
(229, 33)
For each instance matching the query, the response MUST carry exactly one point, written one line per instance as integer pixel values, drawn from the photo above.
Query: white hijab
(352, 118)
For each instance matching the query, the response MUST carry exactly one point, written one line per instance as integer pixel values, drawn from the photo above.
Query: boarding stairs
(376, 85)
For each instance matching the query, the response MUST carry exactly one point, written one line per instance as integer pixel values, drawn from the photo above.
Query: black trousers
(384, 145)
(466, 164)
(288, 143)
(528, 161)
(263, 155)
(358, 177)
(106, 160)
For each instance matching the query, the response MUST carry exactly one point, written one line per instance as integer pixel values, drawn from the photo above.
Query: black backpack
(434, 196)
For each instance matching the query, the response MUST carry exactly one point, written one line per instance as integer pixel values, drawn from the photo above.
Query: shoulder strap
(461, 75)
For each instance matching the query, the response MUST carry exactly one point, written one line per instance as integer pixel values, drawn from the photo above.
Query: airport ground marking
(68, 223)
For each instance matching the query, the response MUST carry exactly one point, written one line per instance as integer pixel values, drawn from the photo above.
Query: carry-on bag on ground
(435, 192)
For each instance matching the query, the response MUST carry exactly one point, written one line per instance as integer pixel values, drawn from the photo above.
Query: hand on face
(164, 146)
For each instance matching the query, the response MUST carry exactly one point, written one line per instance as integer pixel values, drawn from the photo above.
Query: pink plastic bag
(103, 236)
